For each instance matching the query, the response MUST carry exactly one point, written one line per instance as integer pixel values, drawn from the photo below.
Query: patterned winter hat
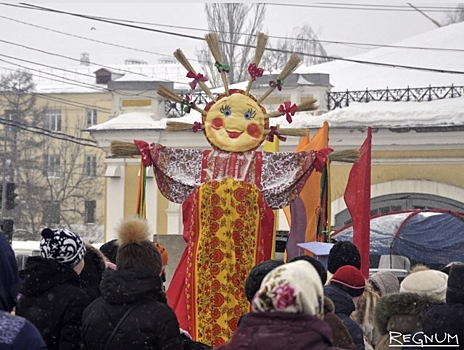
(62, 245)
(294, 287)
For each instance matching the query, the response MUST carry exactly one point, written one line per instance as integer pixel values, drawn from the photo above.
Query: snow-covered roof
(445, 52)
(131, 120)
(81, 78)
(446, 112)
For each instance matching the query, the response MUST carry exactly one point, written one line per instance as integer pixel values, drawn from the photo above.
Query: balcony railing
(338, 99)
(175, 110)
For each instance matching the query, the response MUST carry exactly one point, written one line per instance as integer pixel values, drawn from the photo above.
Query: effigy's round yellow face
(235, 123)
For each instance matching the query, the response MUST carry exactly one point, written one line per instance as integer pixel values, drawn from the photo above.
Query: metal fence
(338, 99)
(175, 110)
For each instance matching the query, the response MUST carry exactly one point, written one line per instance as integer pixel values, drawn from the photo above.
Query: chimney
(85, 59)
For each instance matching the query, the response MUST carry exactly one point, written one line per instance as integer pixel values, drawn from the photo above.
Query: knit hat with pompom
(62, 245)
(135, 250)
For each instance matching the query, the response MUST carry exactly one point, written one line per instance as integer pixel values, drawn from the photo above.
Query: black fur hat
(455, 289)
(316, 264)
(110, 250)
(256, 276)
(343, 253)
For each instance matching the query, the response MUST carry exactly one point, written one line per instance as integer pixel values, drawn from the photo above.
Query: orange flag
(310, 195)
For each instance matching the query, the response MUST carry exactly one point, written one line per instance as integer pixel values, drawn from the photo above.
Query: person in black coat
(92, 273)
(51, 295)
(16, 333)
(346, 285)
(132, 312)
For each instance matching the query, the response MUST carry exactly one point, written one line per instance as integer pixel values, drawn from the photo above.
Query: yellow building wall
(451, 174)
(131, 189)
(161, 219)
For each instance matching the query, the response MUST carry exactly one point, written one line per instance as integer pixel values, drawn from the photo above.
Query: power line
(48, 133)
(361, 7)
(337, 42)
(394, 6)
(74, 59)
(311, 55)
(79, 37)
(436, 70)
(68, 80)
(62, 100)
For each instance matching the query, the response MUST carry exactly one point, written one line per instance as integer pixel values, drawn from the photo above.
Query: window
(90, 117)
(51, 213)
(52, 166)
(90, 208)
(53, 119)
(90, 166)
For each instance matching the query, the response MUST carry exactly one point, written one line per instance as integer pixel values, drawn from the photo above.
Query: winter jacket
(53, 301)
(341, 336)
(91, 275)
(151, 325)
(364, 313)
(401, 313)
(280, 331)
(16, 333)
(344, 306)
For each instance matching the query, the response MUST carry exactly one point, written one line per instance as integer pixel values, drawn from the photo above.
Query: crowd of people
(74, 296)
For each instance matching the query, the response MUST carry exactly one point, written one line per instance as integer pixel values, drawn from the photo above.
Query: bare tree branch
(230, 21)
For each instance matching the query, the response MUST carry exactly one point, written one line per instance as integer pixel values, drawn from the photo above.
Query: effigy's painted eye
(250, 114)
(225, 109)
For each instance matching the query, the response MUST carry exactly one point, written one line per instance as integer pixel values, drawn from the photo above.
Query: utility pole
(5, 148)
(6, 224)
(426, 16)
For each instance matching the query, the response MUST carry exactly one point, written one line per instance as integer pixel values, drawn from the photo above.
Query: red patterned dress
(228, 226)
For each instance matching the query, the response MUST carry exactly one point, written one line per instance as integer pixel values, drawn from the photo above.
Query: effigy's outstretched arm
(177, 171)
(284, 174)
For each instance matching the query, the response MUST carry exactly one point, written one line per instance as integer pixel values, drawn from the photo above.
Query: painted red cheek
(217, 123)
(254, 130)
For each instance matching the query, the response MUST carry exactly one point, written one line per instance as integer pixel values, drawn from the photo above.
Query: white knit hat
(294, 287)
(429, 282)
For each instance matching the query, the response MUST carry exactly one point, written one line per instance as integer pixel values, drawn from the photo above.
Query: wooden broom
(260, 47)
(179, 55)
(121, 149)
(292, 64)
(212, 40)
(309, 105)
(172, 96)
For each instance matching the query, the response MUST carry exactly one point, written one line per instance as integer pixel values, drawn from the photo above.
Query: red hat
(349, 279)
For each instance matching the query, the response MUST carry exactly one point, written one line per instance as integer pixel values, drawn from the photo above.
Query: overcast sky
(374, 26)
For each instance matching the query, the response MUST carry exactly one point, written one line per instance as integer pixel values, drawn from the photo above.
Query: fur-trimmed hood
(406, 304)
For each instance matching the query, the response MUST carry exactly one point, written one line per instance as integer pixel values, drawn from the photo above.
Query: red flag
(358, 201)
